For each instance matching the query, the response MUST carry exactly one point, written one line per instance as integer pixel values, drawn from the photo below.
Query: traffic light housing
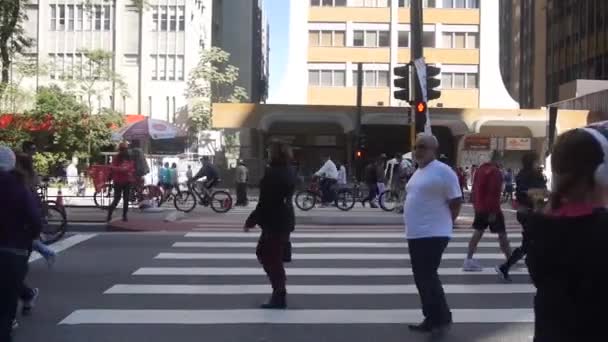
(420, 109)
(402, 82)
(432, 82)
(359, 154)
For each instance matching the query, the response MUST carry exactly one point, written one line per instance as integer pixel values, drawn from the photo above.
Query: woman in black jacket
(567, 243)
(275, 215)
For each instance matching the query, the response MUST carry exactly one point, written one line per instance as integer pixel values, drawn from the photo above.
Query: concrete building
(153, 50)
(548, 44)
(241, 28)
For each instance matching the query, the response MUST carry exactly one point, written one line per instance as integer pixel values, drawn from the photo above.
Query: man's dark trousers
(425, 255)
(326, 190)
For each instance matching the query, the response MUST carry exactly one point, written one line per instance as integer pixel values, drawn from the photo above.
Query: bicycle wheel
(345, 199)
(104, 197)
(306, 200)
(185, 201)
(54, 225)
(221, 201)
(389, 200)
(152, 193)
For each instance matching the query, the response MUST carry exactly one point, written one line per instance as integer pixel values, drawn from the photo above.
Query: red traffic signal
(359, 154)
(420, 107)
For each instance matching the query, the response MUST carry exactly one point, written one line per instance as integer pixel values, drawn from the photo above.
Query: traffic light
(402, 82)
(362, 142)
(359, 154)
(432, 82)
(420, 111)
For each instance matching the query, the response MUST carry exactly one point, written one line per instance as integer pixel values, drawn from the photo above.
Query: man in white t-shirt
(329, 176)
(432, 204)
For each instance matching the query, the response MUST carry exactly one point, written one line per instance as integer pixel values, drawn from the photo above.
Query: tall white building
(153, 50)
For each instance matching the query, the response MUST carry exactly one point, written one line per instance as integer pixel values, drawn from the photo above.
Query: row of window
(167, 67)
(401, 3)
(381, 78)
(169, 18)
(67, 66)
(80, 18)
(376, 38)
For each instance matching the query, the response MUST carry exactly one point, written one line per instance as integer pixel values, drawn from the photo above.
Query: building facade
(152, 50)
(241, 29)
(547, 44)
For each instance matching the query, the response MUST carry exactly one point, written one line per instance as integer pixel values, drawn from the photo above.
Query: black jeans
(120, 190)
(327, 194)
(13, 272)
(241, 193)
(272, 251)
(372, 193)
(425, 255)
(518, 253)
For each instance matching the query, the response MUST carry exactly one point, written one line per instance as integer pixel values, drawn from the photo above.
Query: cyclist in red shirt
(123, 176)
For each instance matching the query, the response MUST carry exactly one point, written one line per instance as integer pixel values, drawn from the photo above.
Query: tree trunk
(7, 29)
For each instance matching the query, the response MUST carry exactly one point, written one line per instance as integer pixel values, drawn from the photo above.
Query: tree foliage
(213, 80)
(12, 36)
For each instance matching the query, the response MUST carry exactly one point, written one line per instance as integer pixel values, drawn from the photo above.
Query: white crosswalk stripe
(335, 278)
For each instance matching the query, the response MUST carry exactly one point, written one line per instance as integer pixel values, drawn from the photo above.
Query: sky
(278, 17)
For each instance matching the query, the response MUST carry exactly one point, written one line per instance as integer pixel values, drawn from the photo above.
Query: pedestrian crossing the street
(340, 277)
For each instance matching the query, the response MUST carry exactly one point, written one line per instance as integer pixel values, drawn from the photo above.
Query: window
(384, 39)
(313, 77)
(89, 23)
(70, 17)
(181, 18)
(358, 38)
(404, 39)
(372, 78)
(162, 68)
(53, 17)
(171, 68)
(425, 3)
(460, 40)
(471, 81)
(155, 19)
(371, 38)
(313, 38)
(163, 18)
(179, 66)
(339, 38)
(460, 3)
(61, 26)
(326, 38)
(154, 67)
(459, 80)
(98, 17)
(327, 78)
(172, 18)
(428, 39)
(79, 16)
(339, 3)
(107, 14)
(404, 3)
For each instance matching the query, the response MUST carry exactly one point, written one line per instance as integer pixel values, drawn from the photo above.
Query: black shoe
(124, 219)
(503, 273)
(278, 300)
(424, 327)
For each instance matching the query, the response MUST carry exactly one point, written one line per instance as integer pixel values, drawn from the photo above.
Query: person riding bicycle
(508, 178)
(329, 177)
(209, 171)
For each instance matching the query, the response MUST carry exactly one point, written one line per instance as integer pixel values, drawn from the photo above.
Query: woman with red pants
(123, 176)
(274, 214)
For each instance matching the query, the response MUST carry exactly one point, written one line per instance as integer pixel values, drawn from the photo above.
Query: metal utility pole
(416, 52)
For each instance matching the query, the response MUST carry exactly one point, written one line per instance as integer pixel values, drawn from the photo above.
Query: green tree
(213, 80)
(12, 36)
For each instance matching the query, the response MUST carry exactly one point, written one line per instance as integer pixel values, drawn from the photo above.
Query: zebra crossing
(351, 276)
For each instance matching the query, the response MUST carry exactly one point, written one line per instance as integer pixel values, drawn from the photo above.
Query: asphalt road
(349, 285)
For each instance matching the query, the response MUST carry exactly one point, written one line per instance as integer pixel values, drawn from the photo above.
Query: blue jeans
(41, 248)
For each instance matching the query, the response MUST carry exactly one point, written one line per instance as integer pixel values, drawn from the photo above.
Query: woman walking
(567, 243)
(123, 176)
(275, 215)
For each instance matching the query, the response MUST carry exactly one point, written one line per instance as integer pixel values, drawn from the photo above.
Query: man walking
(432, 204)
(487, 189)
(241, 173)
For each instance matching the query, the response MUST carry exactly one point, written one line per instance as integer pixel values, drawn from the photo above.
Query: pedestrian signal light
(420, 107)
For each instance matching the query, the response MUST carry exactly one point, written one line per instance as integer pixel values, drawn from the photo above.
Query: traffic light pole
(416, 52)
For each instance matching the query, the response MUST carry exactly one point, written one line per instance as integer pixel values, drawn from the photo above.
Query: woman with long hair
(567, 242)
(123, 176)
(275, 215)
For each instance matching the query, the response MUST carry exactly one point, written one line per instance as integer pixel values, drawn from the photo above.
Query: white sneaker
(472, 265)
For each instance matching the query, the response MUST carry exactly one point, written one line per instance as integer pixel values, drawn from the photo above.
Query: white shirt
(328, 170)
(342, 175)
(426, 212)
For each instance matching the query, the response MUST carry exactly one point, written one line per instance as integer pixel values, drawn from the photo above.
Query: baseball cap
(7, 159)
